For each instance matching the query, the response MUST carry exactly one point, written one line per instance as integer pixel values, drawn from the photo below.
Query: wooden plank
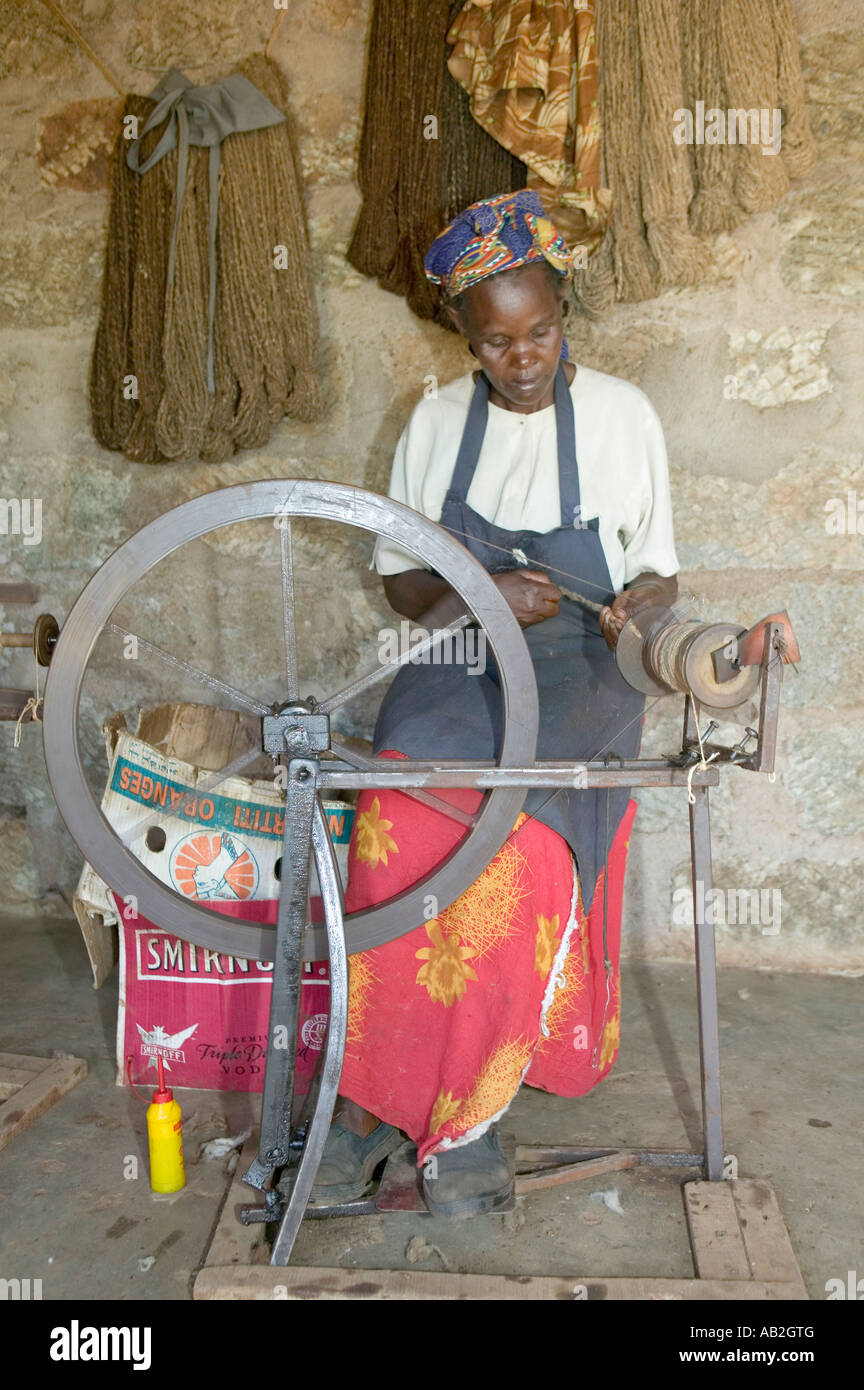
(308, 1284)
(13, 1078)
(16, 1071)
(233, 1243)
(766, 1240)
(715, 1236)
(20, 591)
(42, 1091)
(18, 1062)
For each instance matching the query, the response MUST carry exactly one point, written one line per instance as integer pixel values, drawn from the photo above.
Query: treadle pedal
(399, 1188)
(273, 1209)
(250, 1216)
(257, 1174)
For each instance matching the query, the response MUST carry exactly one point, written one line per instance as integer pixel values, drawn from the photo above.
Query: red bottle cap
(162, 1095)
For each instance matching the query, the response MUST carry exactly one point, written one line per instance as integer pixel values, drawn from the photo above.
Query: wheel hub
(296, 730)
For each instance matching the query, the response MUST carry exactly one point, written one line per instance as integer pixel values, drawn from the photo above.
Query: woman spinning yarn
(551, 475)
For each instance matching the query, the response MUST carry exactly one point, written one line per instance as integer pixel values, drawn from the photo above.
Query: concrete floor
(791, 1055)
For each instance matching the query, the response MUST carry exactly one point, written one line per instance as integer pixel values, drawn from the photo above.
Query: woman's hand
(531, 595)
(647, 591)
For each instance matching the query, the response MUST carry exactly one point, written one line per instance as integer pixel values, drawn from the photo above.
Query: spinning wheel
(297, 731)
(716, 664)
(282, 500)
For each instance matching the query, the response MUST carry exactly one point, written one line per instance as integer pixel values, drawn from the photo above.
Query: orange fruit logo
(206, 866)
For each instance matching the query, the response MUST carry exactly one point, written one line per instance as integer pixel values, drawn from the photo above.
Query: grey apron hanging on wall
(586, 707)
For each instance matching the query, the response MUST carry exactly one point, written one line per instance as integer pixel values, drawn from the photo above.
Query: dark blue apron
(586, 707)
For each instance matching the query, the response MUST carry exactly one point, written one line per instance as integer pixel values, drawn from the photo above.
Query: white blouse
(623, 471)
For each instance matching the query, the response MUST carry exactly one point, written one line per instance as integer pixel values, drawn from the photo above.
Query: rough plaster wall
(755, 374)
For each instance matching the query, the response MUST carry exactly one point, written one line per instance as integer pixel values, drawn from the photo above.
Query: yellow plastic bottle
(165, 1136)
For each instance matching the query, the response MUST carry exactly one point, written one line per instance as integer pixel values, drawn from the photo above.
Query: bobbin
(659, 654)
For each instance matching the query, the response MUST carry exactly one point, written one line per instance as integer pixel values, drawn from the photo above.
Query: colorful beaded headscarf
(497, 234)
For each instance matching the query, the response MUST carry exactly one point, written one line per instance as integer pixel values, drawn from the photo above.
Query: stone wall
(755, 374)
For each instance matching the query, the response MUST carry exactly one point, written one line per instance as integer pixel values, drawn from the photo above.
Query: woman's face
(514, 323)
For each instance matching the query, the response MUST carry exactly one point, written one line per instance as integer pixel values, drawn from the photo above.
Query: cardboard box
(204, 1012)
(203, 736)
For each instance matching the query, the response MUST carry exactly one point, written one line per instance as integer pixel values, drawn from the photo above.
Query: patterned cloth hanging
(530, 68)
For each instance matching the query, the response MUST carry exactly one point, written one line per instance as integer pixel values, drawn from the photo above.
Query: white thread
(671, 645)
(557, 978)
(607, 966)
(32, 708)
(537, 564)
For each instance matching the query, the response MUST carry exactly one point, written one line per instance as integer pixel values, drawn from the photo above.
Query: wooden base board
(31, 1085)
(741, 1250)
(245, 1282)
(737, 1232)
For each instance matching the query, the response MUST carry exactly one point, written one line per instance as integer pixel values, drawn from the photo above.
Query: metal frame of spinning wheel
(297, 732)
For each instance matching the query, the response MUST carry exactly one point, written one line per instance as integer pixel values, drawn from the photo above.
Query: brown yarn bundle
(657, 57)
(714, 208)
(412, 185)
(664, 175)
(266, 327)
(621, 104)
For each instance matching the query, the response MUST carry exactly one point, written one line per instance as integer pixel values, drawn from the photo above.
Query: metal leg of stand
(275, 1143)
(706, 977)
(331, 893)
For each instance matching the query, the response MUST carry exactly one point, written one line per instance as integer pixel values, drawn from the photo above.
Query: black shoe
(468, 1180)
(349, 1161)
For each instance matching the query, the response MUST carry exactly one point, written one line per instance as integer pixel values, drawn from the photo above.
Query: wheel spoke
(287, 568)
(213, 779)
(386, 668)
(359, 760)
(203, 677)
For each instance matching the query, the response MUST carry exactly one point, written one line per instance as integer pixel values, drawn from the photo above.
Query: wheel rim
(83, 816)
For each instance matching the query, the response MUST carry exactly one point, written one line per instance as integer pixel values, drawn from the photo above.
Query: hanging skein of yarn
(152, 395)
(415, 177)
(657, 58)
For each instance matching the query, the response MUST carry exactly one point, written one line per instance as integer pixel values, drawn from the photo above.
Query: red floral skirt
(505, 985)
